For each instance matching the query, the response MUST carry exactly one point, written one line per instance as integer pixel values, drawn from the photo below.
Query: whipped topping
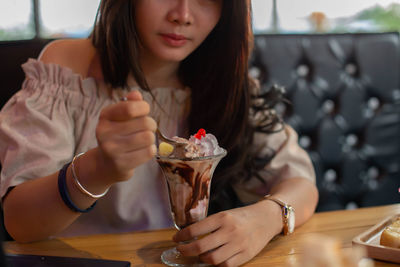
(200, 145)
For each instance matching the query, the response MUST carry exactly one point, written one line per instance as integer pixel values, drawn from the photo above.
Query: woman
(182, 65)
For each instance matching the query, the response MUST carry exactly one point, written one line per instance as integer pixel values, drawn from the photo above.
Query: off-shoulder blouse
(54, 116)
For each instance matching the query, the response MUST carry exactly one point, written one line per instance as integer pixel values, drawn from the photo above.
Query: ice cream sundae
(189, 174)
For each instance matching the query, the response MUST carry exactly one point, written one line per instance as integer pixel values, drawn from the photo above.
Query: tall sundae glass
(188, 179)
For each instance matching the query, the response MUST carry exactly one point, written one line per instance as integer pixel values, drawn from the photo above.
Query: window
(16, 21)
(306, 16)
(67, 18)
(27, 19)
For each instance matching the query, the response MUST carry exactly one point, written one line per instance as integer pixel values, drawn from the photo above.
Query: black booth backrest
(344, 91)
(12, 55)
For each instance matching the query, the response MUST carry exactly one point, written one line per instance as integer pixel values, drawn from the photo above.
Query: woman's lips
(174, 40)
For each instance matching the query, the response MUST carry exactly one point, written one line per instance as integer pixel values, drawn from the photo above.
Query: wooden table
(144, 248)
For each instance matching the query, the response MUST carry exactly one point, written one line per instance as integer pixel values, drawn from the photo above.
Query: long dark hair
(216, 72)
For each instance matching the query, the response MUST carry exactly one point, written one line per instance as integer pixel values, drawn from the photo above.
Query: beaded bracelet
(79, 185)
(62, 188)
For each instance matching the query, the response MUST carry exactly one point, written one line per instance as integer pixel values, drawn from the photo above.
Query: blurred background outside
(28, 19)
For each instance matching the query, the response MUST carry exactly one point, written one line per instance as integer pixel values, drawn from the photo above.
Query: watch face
(290, 219)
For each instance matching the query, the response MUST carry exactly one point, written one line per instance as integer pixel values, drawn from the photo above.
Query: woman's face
(172, 29)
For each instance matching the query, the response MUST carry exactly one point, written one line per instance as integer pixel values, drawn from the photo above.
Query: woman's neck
(159, 74)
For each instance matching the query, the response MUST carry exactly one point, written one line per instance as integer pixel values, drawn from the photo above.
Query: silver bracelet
(78, 184)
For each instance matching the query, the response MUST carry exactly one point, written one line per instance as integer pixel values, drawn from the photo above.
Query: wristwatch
(288, 215)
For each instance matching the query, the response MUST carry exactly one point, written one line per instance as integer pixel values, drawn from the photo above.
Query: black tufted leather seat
(344, 91)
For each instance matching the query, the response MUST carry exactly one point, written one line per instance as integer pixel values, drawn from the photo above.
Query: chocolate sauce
(198, 180)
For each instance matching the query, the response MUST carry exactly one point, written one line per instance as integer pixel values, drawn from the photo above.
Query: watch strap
(286, 209)
(278, 201)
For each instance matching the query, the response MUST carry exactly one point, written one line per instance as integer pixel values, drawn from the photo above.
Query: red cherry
(200, 133)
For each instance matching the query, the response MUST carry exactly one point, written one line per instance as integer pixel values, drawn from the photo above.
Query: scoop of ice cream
(207, 145)
(201, 144)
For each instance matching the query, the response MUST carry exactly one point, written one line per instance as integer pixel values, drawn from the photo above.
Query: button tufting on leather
(351, 206)
(373, 103)
(254, 72)
(351, 140)
(303, 70)
(351, 69)
(280, 108)
(330, 176)
(396, 94)
(373, 173)
(304, 141)
(328, 107)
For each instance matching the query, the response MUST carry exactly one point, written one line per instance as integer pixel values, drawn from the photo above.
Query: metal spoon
(179, 148)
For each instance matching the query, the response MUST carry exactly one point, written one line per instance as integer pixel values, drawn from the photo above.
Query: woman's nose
(181, 13)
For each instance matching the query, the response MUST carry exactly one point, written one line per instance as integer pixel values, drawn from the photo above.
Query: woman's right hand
(125, 136)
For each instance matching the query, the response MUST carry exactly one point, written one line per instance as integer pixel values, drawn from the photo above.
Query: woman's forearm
(301, 194)
(34, 210)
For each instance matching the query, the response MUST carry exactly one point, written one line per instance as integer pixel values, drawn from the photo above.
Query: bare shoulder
(75, 54)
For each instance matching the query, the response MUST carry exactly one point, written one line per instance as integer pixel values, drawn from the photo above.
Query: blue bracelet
(62, 188)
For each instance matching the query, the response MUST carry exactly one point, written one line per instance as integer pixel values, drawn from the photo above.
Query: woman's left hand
(232, 237)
